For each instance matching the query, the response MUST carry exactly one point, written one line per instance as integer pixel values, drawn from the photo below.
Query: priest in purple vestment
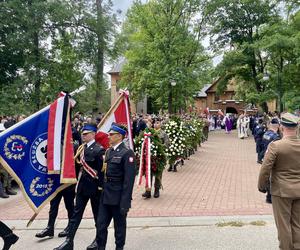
(228, 123)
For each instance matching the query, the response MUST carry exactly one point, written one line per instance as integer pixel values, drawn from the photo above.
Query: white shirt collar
(90, 142)
(115, 147)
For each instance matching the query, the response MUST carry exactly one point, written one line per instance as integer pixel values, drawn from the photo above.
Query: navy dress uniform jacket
(258, 133)
(88, 185)
(119, 179)
(268, 137)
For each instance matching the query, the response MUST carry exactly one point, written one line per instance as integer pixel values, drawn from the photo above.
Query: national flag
(118, 113)
(24, 154)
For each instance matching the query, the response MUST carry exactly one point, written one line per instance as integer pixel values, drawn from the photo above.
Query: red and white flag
(118, 113)
(60, 153)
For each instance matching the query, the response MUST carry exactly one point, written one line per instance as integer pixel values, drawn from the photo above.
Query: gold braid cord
(78, 152)
(104, 167)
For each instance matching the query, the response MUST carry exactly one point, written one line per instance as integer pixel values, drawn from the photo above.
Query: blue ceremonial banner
(24, 155)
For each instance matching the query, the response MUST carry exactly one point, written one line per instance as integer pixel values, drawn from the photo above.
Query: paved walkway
(164, 233)
(220, 179)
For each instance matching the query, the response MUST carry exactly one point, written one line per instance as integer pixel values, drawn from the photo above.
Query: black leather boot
(170, 168)
(156, 193)
(147, 194)
(3, 194)
(93, 245)
(9, 191)
(9, 240)
(64, 233)
(48, 231)
(68, 244)
(175, 167)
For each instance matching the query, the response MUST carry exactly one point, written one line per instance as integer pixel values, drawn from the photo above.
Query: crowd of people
(174, 139)
(98, 179)
(5, 179)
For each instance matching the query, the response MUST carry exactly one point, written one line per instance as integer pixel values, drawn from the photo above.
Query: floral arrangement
(199, 125)
(195, 132)
(176, 133)
(190, 132)
(158, 150)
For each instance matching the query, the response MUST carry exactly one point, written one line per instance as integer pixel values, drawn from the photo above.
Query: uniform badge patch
(130, 159)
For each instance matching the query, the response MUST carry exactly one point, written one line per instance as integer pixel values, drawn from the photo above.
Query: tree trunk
(264, 107)
(36, 60)
(170, 97)
(37, 80)
(100, 56)
(280, 87)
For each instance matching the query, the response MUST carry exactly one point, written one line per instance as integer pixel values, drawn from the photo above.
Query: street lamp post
(170, 97)
(266, 76)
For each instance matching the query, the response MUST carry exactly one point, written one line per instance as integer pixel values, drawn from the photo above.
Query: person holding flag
(38, 153)
(119, 175)
(89, 186)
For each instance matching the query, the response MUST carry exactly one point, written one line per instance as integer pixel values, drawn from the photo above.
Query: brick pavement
(220, 179)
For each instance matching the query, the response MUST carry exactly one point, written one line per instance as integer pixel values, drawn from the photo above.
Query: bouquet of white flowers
(176, 133)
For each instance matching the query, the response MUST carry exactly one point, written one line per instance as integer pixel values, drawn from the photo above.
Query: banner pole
(115, 104)
(32, 219)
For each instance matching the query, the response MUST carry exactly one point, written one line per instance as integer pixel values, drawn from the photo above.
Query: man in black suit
(116, 197)
(140, 125)
(89, 184)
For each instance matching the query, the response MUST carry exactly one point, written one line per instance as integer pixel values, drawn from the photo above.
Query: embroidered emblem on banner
(40, 189)
(14, 147)
(38, 154)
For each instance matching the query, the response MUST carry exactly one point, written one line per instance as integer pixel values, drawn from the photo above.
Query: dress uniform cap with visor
(289, 120)
(117, 128)
(88, 128)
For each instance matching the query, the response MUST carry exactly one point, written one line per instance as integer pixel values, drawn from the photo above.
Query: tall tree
(97, 27)
(48, 46)
(236, 27)
(164, 55)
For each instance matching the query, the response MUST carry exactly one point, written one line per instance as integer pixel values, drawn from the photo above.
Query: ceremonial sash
(145, 161)
(86, 167)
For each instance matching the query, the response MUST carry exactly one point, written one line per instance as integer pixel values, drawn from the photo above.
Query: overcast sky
(122, 4)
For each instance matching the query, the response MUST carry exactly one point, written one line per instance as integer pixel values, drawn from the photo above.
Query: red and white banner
(60, 152)
(145, 161)
(118, 113)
